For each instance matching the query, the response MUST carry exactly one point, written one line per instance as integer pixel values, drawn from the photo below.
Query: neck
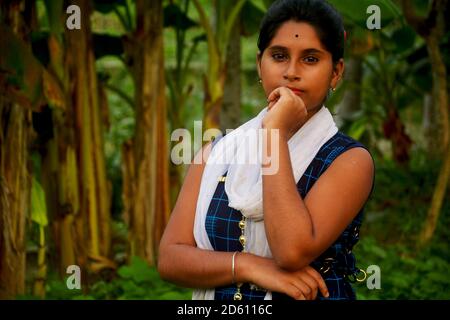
(311, 113)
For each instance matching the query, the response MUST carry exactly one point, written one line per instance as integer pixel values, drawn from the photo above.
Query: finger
(277, 93)
(316, 275)
(306, 290)
(294, 292)
(274, 95)
(311, 282)
(314, 295)
(271, 104)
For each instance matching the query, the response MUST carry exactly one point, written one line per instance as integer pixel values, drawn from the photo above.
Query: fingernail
(327, 294)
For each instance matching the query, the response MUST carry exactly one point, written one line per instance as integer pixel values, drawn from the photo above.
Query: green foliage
(251, 16)
(356, 11)
(175, 17)
(38, 205)
(54, 9)
(394, 216)
(106, 6)
(136, 281)
(405, 273)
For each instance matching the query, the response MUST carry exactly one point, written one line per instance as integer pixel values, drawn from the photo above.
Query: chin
(314, 108)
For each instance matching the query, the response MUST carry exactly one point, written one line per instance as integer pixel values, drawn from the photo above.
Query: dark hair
(320, 14)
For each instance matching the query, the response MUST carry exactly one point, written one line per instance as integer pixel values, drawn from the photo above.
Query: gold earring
(333, 89)
(260, 80)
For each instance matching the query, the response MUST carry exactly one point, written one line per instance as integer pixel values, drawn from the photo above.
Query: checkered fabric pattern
(335, 264)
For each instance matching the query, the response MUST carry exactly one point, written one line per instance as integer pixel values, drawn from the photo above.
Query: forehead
(286, 36)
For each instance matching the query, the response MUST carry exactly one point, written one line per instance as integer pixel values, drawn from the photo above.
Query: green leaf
(404, 39)
(230, 20)
(355, 12)
(138, 271)
(107, 6)
(38, 205)
(132, 290)
(260, 5)
(251, 17)
(54, 10)
(174, 295)
(378, 252)
(175, 17)
(358, 128)
(268, 3)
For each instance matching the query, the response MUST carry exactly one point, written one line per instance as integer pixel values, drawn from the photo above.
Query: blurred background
(86, 117)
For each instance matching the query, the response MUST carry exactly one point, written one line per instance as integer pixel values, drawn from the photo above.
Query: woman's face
(296, 58)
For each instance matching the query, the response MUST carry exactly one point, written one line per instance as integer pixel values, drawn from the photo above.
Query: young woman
(239, 233)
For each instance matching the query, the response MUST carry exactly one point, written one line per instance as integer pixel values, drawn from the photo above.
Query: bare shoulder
(356, 158)
(351, 171)
(356, 162)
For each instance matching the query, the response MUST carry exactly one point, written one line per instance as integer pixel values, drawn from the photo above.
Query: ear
(338, 72)
(258, 63)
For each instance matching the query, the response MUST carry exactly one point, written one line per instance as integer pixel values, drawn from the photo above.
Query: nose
(291, 72)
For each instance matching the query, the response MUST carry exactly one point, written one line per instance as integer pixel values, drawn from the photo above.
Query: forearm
(197, 268)
(288, 223)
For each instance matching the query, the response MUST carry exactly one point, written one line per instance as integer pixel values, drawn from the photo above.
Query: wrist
(242, 267)
(282, 133)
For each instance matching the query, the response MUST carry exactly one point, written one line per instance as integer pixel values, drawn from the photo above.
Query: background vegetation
(86, 118)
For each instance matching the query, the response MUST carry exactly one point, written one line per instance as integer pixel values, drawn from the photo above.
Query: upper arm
(179, 229)
(338, 195)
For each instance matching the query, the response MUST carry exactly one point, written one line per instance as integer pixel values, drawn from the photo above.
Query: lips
(297, 91)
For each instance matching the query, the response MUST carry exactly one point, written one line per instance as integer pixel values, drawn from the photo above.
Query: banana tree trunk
(231, 109)
(60, 181)
(146, 172)
(15, 178)
(59, 172)
(94, 192)
(15, 123)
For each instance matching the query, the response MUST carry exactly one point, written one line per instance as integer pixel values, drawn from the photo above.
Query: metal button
(242, 240)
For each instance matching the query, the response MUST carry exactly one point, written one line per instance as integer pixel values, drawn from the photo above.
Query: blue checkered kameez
(336, 264)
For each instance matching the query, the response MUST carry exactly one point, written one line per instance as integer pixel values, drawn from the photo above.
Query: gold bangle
(232, 267)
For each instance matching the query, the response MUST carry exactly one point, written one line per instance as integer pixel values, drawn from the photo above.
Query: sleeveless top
(337, 264)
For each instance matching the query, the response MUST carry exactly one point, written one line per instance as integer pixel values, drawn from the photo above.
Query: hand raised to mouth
(286, 111)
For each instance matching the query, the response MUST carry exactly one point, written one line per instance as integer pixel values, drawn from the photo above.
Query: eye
(310, 59)
(279, 56)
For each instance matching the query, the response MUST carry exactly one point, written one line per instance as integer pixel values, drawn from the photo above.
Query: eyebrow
(305, 51)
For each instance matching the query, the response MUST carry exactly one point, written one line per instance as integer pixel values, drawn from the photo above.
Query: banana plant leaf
(38, 205)
(355, 12)
(23, 79)
(175, 17)
(107, 6)
(251, 15)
